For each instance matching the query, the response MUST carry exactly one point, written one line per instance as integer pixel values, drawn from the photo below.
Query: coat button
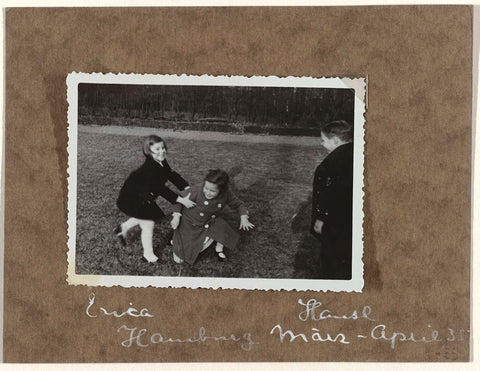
(219, 206)
(213, 216)
(202, 214)
(206, 202)
(206, 226)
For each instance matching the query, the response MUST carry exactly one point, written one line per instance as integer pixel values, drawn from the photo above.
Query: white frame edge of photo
(354, 284)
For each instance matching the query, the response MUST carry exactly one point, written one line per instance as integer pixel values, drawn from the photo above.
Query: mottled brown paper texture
(418, 60)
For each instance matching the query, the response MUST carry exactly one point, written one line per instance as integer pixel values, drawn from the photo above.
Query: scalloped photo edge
(355, 284)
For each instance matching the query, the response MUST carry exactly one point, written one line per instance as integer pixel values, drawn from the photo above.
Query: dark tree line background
(257, 106)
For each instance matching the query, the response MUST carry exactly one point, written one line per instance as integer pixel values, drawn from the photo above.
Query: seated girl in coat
(140, 190)
(196, 228)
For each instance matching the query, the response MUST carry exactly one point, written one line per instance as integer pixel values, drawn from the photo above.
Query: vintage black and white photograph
(215, 182)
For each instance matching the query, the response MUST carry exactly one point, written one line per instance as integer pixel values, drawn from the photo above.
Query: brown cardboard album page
(238, 184)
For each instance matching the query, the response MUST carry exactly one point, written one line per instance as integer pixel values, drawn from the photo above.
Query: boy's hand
(245, 224)
(318, 226)
(185, 201)
(175, 221)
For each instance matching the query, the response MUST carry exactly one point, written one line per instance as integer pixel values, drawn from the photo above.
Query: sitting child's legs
(147, 240)
(176, 259)
(218, 247)
(208, 241)
(219, 250)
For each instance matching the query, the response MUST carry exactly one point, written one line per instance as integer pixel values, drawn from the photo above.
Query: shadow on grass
(308, 261)
(312, 260)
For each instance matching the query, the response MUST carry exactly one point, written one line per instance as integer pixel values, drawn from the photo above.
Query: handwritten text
(130, 311)
(140, 338)
(312, 312)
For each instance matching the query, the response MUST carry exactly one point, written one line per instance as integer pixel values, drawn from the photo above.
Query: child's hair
(341, 129)
(218, 177)
(150, 141)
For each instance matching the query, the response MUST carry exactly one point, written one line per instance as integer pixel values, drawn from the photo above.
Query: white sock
(208, 241)
(176, 259)
(219, 250)
(147, 240)
(130, 223)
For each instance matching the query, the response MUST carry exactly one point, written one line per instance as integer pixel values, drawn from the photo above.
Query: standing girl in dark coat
(140, 190)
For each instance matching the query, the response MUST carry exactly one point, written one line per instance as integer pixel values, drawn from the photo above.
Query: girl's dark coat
(204, 220)
(142, 187)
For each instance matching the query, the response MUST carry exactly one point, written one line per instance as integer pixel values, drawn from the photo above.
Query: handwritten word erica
(311, 312)
(136, 337)
(316, 336)
(129, 312)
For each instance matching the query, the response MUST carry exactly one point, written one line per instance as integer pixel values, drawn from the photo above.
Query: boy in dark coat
(332, 200)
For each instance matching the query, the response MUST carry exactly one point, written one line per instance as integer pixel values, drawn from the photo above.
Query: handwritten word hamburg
(138, 337)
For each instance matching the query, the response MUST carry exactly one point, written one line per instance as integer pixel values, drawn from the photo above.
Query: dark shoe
(118, 233)
(221, 255)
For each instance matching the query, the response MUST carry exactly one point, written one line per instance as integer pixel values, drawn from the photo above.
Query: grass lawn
(273, 180)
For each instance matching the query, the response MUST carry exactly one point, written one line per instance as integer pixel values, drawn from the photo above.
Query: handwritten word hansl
(139, 338)
(131, 311)
(311, 312)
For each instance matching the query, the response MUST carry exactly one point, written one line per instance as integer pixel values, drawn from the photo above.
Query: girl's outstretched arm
(186, 201)
(175, 220)
(176, 179)
(245, 223)
(235, 203)
(167, 193)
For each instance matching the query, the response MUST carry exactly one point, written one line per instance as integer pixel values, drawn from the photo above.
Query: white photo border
(354, 284)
